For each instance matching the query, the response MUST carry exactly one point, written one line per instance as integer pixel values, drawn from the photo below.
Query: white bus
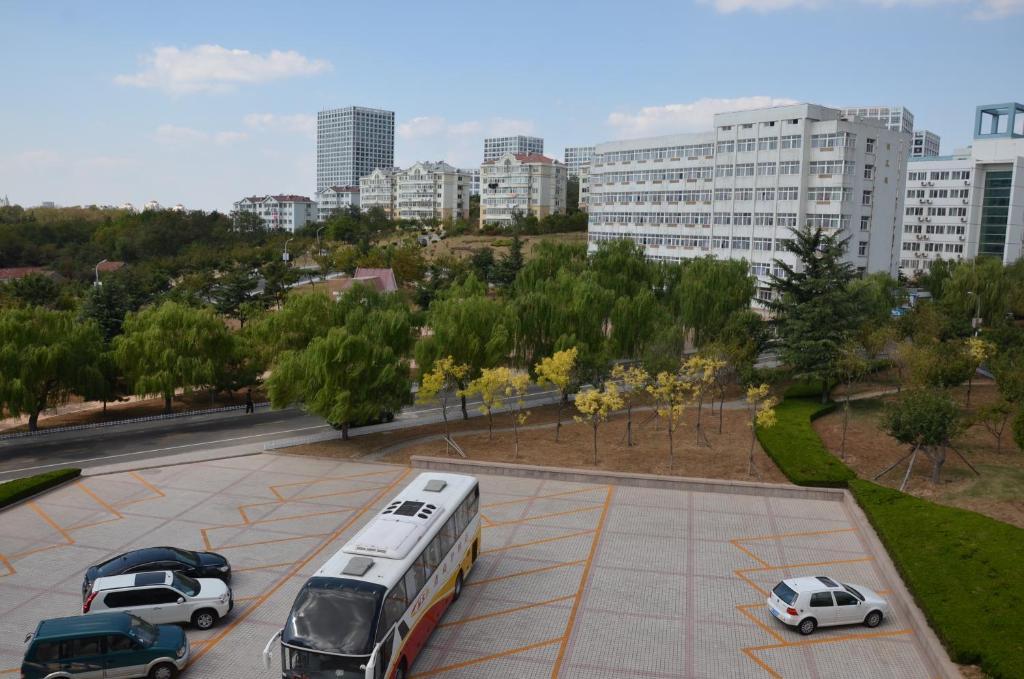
(370, 609)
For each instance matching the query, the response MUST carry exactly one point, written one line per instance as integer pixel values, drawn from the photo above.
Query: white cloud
(696, 116)
(214, 68)
(980, 9)
(301, 123)
(460, 143)
(176, 135)
(37, 158)
(503, 127)
(422, 126)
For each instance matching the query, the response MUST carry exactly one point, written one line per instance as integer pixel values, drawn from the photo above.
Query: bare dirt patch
(725, 458)
(998, 492)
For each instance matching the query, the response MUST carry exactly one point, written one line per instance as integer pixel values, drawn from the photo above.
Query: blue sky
(201, 103)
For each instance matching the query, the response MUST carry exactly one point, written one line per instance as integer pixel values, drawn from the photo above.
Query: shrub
(962, 568)
(796, 449)
(19, 489)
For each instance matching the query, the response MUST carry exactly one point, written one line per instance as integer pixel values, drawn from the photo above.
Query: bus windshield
(299, 664)
(334, 615)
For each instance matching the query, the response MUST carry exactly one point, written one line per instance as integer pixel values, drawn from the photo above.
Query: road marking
(486, 658)
(532, 571)
(536, 542)
(506, 611)
(588, 563)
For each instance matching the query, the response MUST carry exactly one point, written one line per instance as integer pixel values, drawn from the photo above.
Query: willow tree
(45, 356)
(171, 347)
(705, 292)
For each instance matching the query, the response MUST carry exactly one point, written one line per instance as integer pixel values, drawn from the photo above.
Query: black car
(193, 564)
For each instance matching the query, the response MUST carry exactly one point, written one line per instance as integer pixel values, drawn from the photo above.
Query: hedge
(964, 571)
(19, 489)
(796, 449)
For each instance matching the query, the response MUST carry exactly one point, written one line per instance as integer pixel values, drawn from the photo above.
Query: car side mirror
(181, 600)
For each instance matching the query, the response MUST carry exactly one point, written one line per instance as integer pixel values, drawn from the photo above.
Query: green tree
(926, 419)
(45, 356)
(233, 290)
(483, 264)
(940, 365)
(815, 308)
(704, 293)
(468, 326)
(344, 377)
(277, 277)
(37, 289)
(171, 347)
(981, 285)
(508, 267)
(851, 366)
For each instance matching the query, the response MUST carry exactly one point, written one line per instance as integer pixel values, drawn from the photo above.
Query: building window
(869, 172)
(870, 145)
(862, 248)
(865, 222)
(866, 198)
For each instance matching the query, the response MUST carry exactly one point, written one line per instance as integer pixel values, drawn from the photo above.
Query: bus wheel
(400, 673)
(476, 549)
(458, 587)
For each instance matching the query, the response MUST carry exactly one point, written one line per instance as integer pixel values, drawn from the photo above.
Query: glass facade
(994, 213)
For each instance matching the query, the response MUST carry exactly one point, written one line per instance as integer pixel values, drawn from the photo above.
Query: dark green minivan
(104, 646)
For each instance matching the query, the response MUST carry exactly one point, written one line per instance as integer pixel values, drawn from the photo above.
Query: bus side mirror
(266, 649)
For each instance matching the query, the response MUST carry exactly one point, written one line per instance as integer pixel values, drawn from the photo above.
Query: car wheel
(807, 626)
(458, 587)
(164, 670)
(204, 619)
(874, 619)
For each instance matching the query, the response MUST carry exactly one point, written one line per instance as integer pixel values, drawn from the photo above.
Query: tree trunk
(558, 423)
(344, 431)
(490, 425)
(465, 415)
(721, 411)
(515, 433)
(753, 440)
(629, 425)
(595, 444)
(167, 403)
(671, 449)
(938, 458)
(970, 382)
(824, 393)
(846, 422)
(447, 436)
(33, 421)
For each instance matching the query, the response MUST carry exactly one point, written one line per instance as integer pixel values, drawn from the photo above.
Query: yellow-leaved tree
(559, 369)
(699, 372)
(978, 351)
(670, 393)
(516, 387)
(491, 388)
(636, 379)
(442, 384)
(595, 407)
(762, 414)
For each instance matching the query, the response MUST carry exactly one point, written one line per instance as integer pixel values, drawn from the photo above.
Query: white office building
(896, 118)
(351, 142)
(378, 190)
(474, 180)
(577, 157)
(432, 191)
(971, 203)
(736, 191)
(285, 212)
(336, 199)
(496, 147)
(926, 143)
(583, 180)
(521, 184)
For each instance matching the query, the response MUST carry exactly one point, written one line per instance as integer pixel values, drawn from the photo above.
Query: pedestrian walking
(250, 407)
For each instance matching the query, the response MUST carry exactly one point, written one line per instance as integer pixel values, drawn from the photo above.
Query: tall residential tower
(350, 143)
(496, 147)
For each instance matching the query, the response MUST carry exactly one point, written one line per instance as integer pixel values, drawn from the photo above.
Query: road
(149, 440)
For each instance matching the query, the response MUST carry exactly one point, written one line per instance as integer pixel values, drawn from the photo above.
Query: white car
(162, 597)
(812, 602)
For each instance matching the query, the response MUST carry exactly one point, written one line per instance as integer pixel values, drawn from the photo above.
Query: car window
(144, 567)
(122, 599)
(821, 599)
(119, 642)
(184, 556)
(151, 578)
(845, 599)
(149, 596)
(85, 646)
(166, 595)
(854, 592)
(785, 592)
(47, 651)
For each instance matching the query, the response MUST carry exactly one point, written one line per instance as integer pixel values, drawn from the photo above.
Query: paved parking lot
(574, 580)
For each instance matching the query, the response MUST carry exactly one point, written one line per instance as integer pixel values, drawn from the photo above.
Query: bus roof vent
(357, 566)
(435, 485)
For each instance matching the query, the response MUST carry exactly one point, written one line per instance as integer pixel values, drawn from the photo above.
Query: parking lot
(574, 580)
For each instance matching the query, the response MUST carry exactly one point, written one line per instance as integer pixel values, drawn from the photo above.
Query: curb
(627, 479)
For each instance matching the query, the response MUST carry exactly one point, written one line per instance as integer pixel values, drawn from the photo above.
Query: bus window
(414, 581)
(434, 554)
(423, 566)
(474, 502)
(448, 535)
(395, 604)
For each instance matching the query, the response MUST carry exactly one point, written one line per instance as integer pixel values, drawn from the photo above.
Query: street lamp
(97, 283)
(286, 257)
(976, 321)
(319, 248)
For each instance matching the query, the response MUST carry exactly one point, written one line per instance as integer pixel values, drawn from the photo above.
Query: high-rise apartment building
(428, 191)
(496, 147)
(377, 189)
(351, 142)
(736, 191)
(521, 184)
(576, 157)
(971, 203)
(474, 180)
(926, 143)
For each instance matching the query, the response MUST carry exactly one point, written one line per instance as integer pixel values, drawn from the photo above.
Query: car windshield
(185, 584)
(785, 592)
(299, 664)
(854, 592)
(143, 632)
(334, 615)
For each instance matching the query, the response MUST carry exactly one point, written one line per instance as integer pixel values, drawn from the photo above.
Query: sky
(202, 103)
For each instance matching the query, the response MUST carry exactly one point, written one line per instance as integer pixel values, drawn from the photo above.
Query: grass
(997, 482)
(19, 489)
(796, 448)
(964, 571)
